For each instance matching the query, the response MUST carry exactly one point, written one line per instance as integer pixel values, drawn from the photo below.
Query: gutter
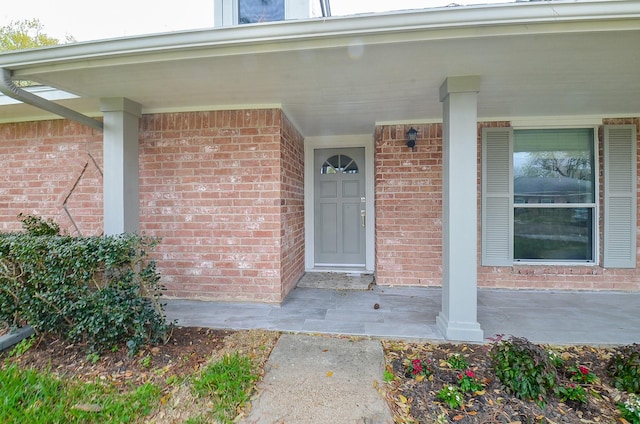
(479, 21)
(8, 88)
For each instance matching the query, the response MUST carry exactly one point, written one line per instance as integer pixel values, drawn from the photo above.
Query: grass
(227, 383)
(27, 395)
(36, 397)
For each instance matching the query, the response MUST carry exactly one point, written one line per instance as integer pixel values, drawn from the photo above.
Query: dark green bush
(38, 226)
(624, 368)
(524, 369)
(98, 290)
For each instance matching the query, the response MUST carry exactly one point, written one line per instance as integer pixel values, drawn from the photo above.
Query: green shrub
(581, 374)
(630, 409)
(624, 368)
(524, 369)
(451, 395)
(38, 226)
(468, 382)
(556, 359)
(99, 290)
(457, 362)
(572, 392)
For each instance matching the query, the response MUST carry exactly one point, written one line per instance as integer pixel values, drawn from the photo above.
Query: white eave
(425, 24)
(345, 59)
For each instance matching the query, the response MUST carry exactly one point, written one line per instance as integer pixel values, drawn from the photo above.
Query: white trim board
(325, 142)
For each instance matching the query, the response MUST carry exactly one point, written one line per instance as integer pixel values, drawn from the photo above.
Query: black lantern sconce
(412, 134)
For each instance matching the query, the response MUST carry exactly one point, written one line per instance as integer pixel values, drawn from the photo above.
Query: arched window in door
(339, 164)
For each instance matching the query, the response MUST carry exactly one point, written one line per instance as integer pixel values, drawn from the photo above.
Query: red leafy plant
(581, 374)
(418, 368)
(573, 392)
(468, 382)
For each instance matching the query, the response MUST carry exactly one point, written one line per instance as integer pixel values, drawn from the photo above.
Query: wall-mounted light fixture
(411, 138)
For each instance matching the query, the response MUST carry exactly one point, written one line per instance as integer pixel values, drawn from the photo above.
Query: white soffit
(419, 25)
(342, 75)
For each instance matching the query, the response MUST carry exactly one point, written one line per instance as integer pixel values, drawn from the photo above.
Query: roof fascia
(442, 23)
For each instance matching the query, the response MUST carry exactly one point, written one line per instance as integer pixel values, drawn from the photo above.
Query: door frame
(311, 144)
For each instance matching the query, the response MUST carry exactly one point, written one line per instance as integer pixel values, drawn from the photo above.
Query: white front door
(339, 207)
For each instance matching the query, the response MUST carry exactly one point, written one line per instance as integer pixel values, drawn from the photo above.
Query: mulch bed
(411, 401)
(414, 401)
(185, 351)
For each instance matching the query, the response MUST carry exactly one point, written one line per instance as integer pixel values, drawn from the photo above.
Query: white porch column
(458, 319)
(120, 147)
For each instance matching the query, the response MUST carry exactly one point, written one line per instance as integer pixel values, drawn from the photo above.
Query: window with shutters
(540, 196)
(554, 195)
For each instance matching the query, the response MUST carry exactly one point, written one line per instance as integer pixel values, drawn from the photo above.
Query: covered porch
(336, 79)
(555, 317)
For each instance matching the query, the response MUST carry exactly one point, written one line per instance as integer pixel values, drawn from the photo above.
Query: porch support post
(120, 149)
(458, 319)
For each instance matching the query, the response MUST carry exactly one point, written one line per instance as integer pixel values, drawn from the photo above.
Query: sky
(87, 20)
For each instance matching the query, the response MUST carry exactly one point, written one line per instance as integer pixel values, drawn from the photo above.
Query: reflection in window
(339, 164)
(254, 11)
(553, 234)
(554, 195)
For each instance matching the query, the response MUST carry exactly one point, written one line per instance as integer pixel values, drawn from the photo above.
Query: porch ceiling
(330, 80)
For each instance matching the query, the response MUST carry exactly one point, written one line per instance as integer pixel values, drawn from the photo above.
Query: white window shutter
(620, 196)
(497, 197)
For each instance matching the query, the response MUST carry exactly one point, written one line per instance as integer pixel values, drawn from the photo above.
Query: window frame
(595, 205)
(237, 4)
(226, 12)
(497, 198)
(617, 197)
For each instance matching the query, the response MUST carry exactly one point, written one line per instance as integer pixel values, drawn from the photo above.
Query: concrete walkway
(557, 317)
(316, 379)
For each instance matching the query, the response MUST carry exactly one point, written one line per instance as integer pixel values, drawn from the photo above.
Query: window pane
(553, 234)
(339, 164)
(252, 11)
(553, 166)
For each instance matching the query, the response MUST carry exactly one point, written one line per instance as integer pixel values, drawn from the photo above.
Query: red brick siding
(292, 206)
(408, 196)
(566, 277)
(223, 190)
(51, 169)
(409, 212)
(210, 187)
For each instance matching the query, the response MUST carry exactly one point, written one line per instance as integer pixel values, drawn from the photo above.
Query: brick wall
(211, 188)
(409, 211)
(51, 169)
(408, 196)
(223, 190)
(292, 206)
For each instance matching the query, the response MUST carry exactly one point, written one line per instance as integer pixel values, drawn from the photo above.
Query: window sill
(550, 263)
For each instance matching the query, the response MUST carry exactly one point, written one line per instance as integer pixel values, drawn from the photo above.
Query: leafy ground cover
(47, 380)
(429, 396)
(181, 382)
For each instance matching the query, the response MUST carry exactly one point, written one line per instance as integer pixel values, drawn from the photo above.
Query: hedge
(97, 290)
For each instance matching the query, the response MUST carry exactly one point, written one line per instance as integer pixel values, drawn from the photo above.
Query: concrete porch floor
(410, 313)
